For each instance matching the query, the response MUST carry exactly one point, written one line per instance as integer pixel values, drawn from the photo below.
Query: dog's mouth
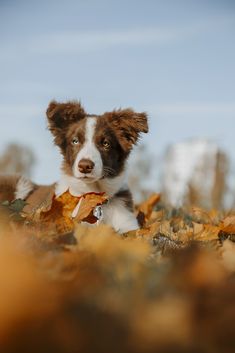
(88, 178)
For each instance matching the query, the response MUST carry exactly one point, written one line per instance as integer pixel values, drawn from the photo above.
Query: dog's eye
(75, 141)
(105, 144)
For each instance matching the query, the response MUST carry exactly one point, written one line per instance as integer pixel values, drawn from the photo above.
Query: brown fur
(114, 156)
(62, 115)
(126, 196)
(127, 125)
(75, 130)
(8, 185)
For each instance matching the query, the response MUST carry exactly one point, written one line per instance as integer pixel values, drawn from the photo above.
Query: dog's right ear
(61, 115)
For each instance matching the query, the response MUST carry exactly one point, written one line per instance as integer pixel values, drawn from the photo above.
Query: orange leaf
(54, 218)
(147, 206)
(228, 225)
(58, 213)
(88, 203)
(208, 233)
(201, 215)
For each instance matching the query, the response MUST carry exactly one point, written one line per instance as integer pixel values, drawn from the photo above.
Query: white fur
(91, 152)
(78, 187)
(119, 217)
(23, 188)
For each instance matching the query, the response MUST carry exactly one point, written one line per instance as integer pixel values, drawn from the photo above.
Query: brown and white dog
(95, 150)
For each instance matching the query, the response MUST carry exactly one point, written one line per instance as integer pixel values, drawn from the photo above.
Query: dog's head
(94, 147)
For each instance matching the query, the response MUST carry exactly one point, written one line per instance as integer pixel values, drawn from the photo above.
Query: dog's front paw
(126, 225)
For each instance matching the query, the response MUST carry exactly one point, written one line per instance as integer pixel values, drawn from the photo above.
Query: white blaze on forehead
(89, 151)
(90, 130)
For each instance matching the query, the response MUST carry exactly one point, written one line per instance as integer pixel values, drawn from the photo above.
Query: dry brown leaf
(40, 199)
(165, 228)
(156, 216)
(56, 212)
(147, 206)
(149, 231)
(208, 233)
(198, 228)
(88, 202)
(214, 215)
(201, 215)
(59, 215)
(228, 225)
(185, 234)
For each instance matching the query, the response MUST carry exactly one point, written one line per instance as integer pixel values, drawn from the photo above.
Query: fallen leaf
(228, 225)
(208, 233)
(88, 203)
(56, 213)
(198, 228)
(200, 215)
(147, 206)
(39, 200)
(148, 231)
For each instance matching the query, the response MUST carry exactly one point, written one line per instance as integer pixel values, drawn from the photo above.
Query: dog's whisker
(109, 171)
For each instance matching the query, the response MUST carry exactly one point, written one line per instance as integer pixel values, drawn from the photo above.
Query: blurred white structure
(194, 172)
(142, 165)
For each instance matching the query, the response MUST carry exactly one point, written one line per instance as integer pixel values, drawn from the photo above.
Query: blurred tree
(17, 159)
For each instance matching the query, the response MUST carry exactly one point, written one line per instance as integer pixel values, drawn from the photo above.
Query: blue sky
(174, 59)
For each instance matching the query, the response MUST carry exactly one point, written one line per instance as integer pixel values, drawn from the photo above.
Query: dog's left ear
(128, 126)
(61, 115)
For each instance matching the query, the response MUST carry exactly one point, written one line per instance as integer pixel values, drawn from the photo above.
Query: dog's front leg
(117, 215)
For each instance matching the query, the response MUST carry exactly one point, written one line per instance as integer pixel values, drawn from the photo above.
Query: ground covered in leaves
(169, 287)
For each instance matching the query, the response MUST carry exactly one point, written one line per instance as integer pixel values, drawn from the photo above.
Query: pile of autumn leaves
(168, 287)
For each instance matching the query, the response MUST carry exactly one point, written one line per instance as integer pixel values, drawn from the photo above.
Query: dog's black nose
(85, 166)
